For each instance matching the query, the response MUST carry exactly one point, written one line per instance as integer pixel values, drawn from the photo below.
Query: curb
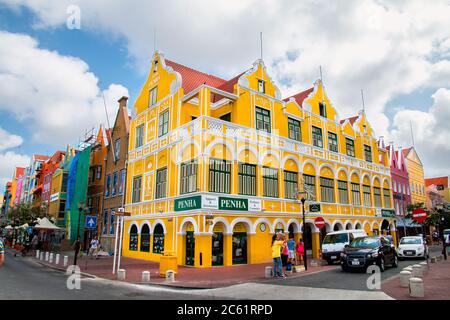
(87, 275)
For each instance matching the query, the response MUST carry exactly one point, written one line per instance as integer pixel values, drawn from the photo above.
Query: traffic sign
(419, 215)
(319, 222)
(91, 222)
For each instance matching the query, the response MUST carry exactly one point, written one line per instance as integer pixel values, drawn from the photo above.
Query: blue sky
(397, 52)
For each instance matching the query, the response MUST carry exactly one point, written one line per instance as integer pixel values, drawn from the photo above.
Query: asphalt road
(22, 279)
(337, 279)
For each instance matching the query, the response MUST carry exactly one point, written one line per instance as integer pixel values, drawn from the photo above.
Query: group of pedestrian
(286, 253)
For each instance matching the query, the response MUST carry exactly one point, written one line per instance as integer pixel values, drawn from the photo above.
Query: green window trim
(356, 194)
(219, 176)
(290, 184)
(368, 153)
(153, 96)
(377, 196)
(317, 137)
(387, 198)
(310, 182)
(263, 121)
(332, 142)
(326, 190)
(163, 124)
(270, 182)
(367, 196)
(247, 179)
(294, 128)
(136, 192)
(161, 183)
(350, 147)
(188, 180)
(145, 239)
(343, 192)
(139, 138)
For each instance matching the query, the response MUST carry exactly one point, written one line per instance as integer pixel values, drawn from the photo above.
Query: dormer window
(262, 86)
(155, 67)
(322, 109)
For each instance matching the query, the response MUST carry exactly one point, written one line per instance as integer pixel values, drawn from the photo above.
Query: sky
(59, 58)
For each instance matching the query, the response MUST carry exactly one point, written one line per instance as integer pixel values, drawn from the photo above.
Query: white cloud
(8, 141)
(387, 48)
(431, 132)
(56, 96)
(8, 162)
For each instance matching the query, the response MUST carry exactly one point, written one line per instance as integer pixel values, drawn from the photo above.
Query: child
(300, 250)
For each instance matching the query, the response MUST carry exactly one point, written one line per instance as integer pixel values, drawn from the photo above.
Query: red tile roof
(437, 181)
(301, 96)
(192, 79)
(40, 157)
(228, 86)
(351, 120)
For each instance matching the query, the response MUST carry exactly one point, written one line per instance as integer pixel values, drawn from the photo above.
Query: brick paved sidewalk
(436, 284)
(187, 277)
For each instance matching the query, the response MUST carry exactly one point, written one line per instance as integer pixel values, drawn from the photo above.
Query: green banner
(233, 204)
(189, 203)
(388, 213)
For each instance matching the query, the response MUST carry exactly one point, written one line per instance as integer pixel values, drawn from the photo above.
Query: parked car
(366, 251)
(334, 242)
(412, 247)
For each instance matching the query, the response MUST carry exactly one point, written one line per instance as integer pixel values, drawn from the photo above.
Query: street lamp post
(305, 262)
(80, 210)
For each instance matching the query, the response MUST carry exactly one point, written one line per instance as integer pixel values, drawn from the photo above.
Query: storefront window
(134, 238)
(145, 238)
(158, 239)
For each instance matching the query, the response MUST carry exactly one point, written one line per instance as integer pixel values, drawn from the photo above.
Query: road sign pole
(115, 245)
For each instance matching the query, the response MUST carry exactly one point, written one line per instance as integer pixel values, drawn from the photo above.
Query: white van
(334, 242)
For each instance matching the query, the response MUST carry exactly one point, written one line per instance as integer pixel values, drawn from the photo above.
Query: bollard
(121, 274)
(46, 256)
(57, 257)
(50, 258)
(170, 276)
(417, 271)
(41, 257)
(145, 276)
(37, 254)
(66, 261)
(409, 269)
(269, 272)
(416, 288)
(433, 259)
(404, 279)
(424, 265)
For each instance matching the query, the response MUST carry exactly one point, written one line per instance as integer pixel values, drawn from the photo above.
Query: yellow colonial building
(215, 168)
(416, 176)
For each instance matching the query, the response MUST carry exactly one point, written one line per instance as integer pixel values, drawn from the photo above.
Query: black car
(366, 251)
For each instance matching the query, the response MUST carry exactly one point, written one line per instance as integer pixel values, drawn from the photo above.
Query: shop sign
(210, 202)
(188, 203)
(254, 205)
(388, 213)
(235, 204)
(314, 207)
(54, 197)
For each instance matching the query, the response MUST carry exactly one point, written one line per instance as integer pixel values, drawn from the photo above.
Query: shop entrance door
(217, 249)
(190, 248)
(239, 247)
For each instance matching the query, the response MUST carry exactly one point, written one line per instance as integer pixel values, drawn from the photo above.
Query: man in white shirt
(94, 246)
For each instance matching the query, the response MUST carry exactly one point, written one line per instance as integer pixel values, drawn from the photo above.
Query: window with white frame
(367, 196)
(247, 179)
(188, 177)
(290, 184)
(161, 183)
(327, 190)
(153, 95)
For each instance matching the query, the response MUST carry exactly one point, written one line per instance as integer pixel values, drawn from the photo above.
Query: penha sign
(212, 202)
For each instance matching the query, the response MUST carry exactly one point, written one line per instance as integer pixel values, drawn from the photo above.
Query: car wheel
(381, 264)
(395, 263)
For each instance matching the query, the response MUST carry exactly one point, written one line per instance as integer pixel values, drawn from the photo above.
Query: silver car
(412, 247)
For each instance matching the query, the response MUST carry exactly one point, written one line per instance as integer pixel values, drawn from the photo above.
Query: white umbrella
(8, 227)
(44, 223)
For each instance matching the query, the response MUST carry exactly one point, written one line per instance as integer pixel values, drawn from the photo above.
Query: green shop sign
(314, 207)
(233, 204)
(388, 213)
(189, 203)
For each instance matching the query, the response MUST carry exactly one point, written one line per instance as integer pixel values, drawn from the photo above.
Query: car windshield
(411, 241)
(366, 242)
(335, 238)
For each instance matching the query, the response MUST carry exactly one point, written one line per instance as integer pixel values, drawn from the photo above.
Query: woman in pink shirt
(300, 250)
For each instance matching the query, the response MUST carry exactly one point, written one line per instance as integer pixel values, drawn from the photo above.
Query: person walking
(277, 244)
(77, 247)
(300, 250)
(94, 247)
(284, 254)
(291, 250)
(2, 253)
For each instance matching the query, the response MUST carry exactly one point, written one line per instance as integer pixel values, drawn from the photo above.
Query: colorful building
(115, 175)
(416, 176)
(46, 175)
(58, 188)
(31, 188)
(6, 202)
(400, 180)
(96, 179)
(16, 186)
(214, 167)
(442, 186)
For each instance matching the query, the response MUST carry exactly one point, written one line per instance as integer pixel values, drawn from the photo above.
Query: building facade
(48, 169)
(16, 186)
(215, 166)
(442, 186)
(400, 181)
(31, 187)
(115, 175)
(416, 176)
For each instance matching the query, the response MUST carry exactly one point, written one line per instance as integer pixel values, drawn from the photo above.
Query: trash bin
(168, 261)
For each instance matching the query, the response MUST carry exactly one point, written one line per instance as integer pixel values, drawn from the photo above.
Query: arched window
(145, 238)
(134, 238)
(158, 239)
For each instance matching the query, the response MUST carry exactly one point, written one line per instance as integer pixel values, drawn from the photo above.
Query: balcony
(216, 127)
